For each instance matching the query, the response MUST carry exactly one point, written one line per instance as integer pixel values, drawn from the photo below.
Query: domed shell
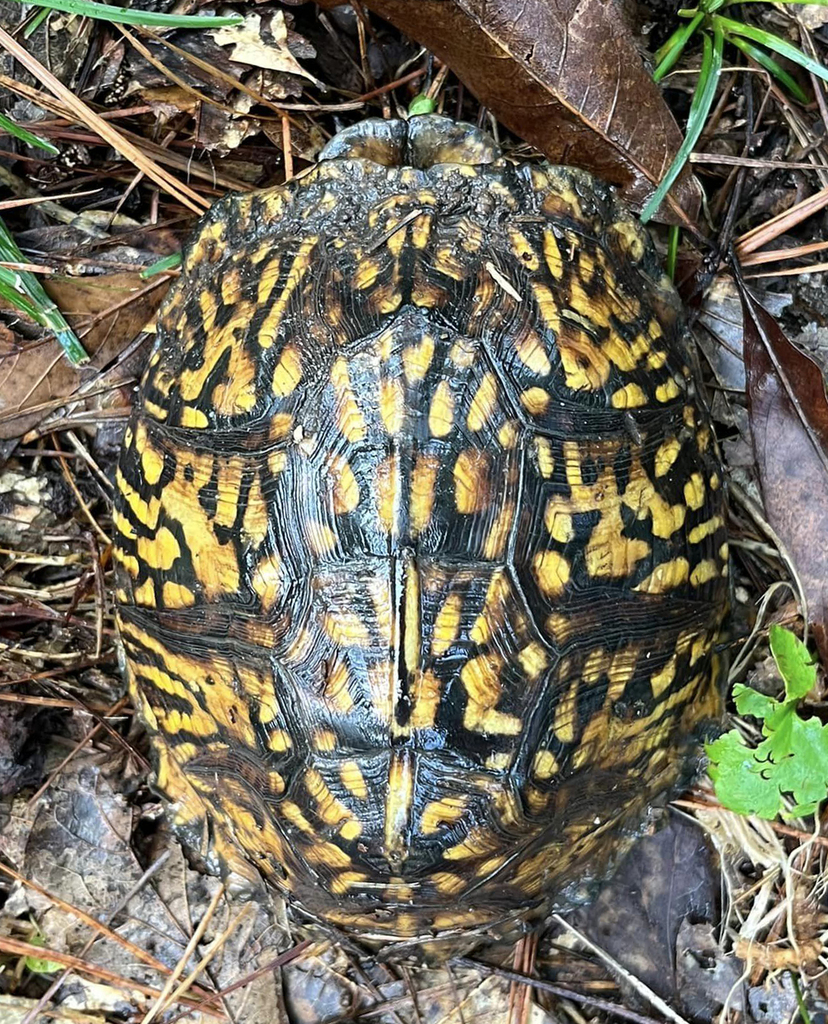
(420, 534)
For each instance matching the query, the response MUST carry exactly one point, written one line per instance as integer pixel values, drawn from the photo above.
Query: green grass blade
(160, 266)
(667, 55)
(8, 127)
(23, 290)
(775, 68)
(122, 16)
(810, 3)
(711, 68)
(771, 42)
(673, 236)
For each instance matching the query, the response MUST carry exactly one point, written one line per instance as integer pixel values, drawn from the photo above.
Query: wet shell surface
(420, 535)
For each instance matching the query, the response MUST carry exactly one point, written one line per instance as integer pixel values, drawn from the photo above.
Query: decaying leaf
(789, 423)
(263, 49)
(567, 77)
(35, 378)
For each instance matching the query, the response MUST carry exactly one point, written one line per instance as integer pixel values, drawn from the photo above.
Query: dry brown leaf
(252, 45)
(36, 378)
(789, 423)
(567, 76)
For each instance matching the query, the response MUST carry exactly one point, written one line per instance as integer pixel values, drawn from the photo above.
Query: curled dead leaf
(789, 423)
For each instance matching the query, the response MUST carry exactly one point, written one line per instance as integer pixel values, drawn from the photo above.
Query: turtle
(420, 536)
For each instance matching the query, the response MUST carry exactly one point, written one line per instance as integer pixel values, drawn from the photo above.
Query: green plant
(791, 762)
(716, 30)
(126, 16)
(23, 291)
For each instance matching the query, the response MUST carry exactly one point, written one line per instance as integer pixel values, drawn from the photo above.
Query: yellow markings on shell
(566, 714)
(705, 529)
(193, 418)
(522, 248)
(392, 405)
(268, 275)
(266, 579)
(533, 660)
(417, 359)
(484, 403)
(423, 481)
(662, 680)
(448, 883)
(446, 625)
(228, 493)
(667, 391)
(330, 809)
(665, 577)
(491, 617)
(531, 352)
(345, 486)
(176, 595)
(535, 401)
(160, 551)
(462, 353)
(238, 393)
(123, 525)
(411, 620)
(625, 356)
(546, 460)
(366, 274)
(441, 412)
(345, 881)
(399, 800)
(231, 288)
(666, 455)
(336, 692)
(279, 741)
(346, 628)
(508, 434)
(586, 368)
(388, 492)
(656, 359)
(642, 497)
(290, 811)
(152, 464)
(479, 842)
(255, 518)
(481, 678)
(349, 418)
(694, 491)
(442, 812)
(146, 512)
(425, 700)
(545, 765)
(129, 562)
(144, 595)
(298, 269)
(705, 571)
(472, 489)
(421, 230)
(288, 372)
(552, 254)
(630, 396)
(495, 543)
(353, 780)
(552, 572)
(446, 262)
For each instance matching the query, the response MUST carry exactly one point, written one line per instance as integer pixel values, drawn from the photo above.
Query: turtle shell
(420, 535)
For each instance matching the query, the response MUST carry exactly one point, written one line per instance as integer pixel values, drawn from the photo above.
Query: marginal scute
(420, 536)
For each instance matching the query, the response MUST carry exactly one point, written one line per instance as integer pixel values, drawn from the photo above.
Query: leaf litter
(245, 112)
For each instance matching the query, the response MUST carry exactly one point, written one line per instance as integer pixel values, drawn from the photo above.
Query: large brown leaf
(567, 76)
(35, 376)
(789, 422)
